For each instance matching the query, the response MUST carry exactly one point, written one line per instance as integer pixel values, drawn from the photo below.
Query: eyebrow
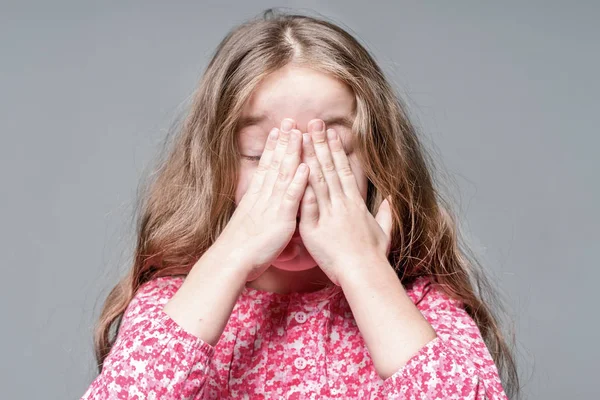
(259, 119)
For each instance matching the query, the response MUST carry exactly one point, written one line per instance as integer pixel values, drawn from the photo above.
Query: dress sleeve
(152, 357)
(454, 365)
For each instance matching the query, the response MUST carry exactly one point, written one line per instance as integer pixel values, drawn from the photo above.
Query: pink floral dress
(294, 346)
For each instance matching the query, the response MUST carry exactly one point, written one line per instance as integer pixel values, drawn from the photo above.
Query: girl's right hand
(265, 218)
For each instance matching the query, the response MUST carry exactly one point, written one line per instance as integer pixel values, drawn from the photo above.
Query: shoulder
(159, 289)
(449, 318)
(427, 295)
(446, 314)
(149, 299)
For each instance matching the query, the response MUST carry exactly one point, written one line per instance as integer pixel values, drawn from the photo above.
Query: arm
(392, 326)
(453, 362)
(163, 351)
(203, 304)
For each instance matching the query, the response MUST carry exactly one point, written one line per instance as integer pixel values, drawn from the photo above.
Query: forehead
(302, 94)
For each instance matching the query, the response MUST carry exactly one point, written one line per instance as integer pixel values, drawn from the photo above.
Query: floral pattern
(290, 346)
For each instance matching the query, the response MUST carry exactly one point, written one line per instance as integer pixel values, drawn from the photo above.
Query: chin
(294, 257)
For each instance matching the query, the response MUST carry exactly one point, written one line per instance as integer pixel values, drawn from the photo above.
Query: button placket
(301, 352)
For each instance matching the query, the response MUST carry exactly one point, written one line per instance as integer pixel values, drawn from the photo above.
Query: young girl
(293, 244)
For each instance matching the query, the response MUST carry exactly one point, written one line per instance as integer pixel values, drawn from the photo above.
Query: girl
(293, 244)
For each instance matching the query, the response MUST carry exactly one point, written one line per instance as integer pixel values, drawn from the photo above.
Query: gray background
(506, 94)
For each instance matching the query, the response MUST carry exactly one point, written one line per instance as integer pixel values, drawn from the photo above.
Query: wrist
(226, 261)
(361, 269)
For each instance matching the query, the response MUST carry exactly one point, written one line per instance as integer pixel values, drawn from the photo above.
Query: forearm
(204, 302)
(392, 326)
(152, 356)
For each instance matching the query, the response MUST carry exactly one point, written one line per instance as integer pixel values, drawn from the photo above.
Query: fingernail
(330, 134)
(317, 126)
(287, 125)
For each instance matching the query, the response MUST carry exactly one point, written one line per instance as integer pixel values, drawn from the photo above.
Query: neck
(285, 282)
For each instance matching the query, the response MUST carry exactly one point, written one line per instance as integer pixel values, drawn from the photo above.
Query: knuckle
(346, 171)
(275, 163)
(283, 176)
(328, 166)
(320, 178)
(290, 195)
(309, 151)
(310, 198)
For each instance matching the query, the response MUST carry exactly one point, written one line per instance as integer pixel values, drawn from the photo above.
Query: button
(300, 363)
(300, 317)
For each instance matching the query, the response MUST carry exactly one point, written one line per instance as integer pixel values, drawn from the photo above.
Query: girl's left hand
(336, 226)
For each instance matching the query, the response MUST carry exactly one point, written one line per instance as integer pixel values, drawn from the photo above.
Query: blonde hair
(191, 198)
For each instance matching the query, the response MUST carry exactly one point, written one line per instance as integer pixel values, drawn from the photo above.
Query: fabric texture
(290, 346)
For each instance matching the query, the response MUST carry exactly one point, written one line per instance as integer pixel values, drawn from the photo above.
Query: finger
(289, 165)
(384, 217)
(385, 221)
(342, 165)
(294, 192)
(321, 145)
(309, 208)
(265, 160)
(278, 155)
(316, 178)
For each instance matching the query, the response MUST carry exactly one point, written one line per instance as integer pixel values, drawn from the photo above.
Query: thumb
(384, 218)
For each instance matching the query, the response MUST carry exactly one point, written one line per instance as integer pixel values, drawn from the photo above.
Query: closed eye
(257, 158)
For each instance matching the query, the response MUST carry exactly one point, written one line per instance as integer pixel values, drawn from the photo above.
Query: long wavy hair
(190, 197)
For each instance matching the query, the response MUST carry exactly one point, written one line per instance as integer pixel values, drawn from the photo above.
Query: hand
(265, 219)
(336, 226)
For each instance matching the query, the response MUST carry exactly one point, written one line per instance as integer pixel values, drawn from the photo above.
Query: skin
(302, 96)
(337, 231)
(340, 241)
